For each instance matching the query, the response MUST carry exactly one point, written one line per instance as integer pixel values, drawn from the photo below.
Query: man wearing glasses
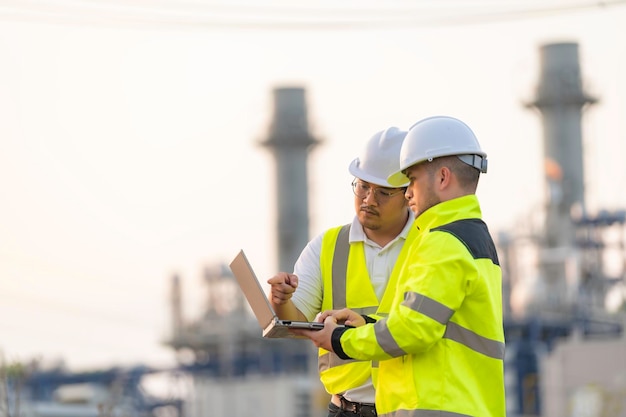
(351, 266)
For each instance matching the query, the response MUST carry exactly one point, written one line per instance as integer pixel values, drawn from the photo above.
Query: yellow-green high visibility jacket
(441, 347)
(347, 284)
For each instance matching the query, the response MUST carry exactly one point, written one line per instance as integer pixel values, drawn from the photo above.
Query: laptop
(272, 326)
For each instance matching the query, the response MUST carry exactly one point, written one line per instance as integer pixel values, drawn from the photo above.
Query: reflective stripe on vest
(340, 267)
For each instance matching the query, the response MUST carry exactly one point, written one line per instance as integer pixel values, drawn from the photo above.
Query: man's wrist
(335, 341)
(369, 319)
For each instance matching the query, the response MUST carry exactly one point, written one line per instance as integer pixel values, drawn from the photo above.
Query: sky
(129, 135)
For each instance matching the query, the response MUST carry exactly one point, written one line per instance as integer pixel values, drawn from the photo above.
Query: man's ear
(444, 177)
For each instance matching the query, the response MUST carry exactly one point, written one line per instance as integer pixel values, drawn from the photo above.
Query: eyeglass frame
(380, 194)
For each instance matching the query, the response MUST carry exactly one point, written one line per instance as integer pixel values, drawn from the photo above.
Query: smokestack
(560, 99)
(177, 309)
(289, 140)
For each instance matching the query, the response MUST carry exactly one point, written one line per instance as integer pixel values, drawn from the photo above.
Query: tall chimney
(289, 140)
(176, 306)
(561, 99)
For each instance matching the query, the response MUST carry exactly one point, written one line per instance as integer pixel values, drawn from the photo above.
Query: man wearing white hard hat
(441, 347)
(352, 266)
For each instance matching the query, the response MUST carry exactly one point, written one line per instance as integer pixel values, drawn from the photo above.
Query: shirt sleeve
(308, 296)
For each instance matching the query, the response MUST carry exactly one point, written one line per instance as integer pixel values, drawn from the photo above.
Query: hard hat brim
(398, 179)
(362, 175)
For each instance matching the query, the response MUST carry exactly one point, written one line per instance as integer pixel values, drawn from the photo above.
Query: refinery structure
(566, 354)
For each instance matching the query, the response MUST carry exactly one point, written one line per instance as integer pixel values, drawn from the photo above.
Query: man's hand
(343, 316)
(320, 338)
(283, 285)
(331, 318)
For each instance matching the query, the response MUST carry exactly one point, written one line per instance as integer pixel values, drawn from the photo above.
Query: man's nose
(370, 198)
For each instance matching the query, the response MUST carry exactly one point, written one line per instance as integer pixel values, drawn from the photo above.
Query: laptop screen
(252, 289)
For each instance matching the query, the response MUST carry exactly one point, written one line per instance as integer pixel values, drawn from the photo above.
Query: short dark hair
(466, 174)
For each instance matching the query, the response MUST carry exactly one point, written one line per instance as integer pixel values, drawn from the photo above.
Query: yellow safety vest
(347, 284)
(441, 347)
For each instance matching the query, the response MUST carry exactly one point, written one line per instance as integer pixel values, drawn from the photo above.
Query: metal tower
(289, 140)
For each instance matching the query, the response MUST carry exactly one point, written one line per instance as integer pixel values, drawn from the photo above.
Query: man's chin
(369, 225)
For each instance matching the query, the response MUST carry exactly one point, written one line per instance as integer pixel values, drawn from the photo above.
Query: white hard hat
(438, 136)
(380, 158)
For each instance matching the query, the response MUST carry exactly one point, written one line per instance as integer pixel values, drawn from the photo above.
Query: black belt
(361, 409)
